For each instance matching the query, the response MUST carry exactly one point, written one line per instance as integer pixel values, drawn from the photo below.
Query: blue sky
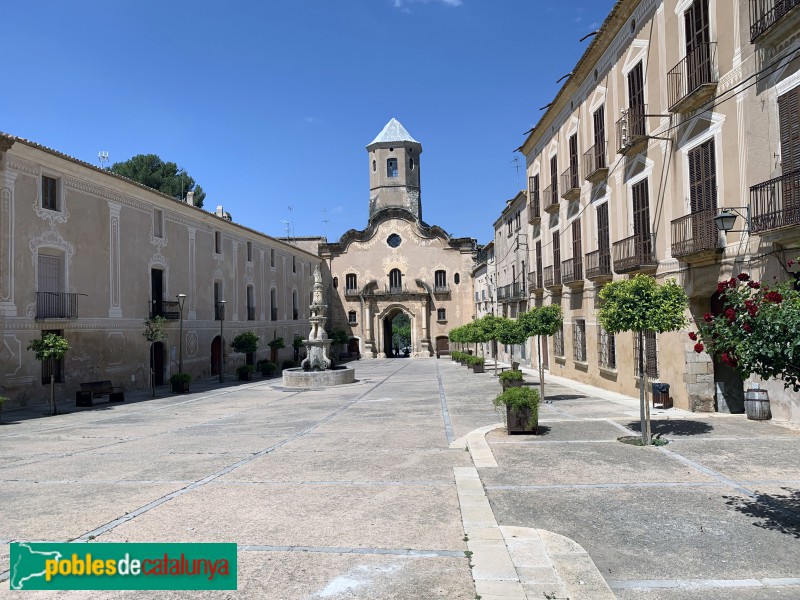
(270, 105)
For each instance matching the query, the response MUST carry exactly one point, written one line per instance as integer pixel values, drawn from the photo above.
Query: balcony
(775, 204)
(518, 291)
(632, 130)
(570, 184)
(598, 266)
(503, 293)
(693, 81)
(251, 313)
(441, 289)
(56, 305)
(394, 290)
(273, 314)
(572, 272)
(695, 237)
(635, 253)
(351, 291)
(594, 163)
(535, 284)
(168, 309)
(534, 208)
(766, 15)
(552, 277)
(550, 198)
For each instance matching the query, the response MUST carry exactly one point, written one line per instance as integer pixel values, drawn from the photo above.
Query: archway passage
(397, 334)
(215, 354)
(157, 363)
(728, 384)
(353, 348)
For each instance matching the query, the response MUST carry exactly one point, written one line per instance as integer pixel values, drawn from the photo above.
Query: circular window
(393, 240)
(391, 149)
(633, 26)
(457, 278)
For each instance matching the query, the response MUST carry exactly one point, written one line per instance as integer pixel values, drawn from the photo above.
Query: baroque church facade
(398, 264)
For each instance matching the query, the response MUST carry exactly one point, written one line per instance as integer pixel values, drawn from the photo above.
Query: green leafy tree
(640, 304)
(401, 331)
(488, 325)
(509, 331)
(50, 348)
(154, 331)
(757, 332)
(541, 322)
(339, 338)
(166, 177)
(247, 343)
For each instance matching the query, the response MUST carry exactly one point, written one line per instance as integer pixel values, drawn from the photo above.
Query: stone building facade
(91, 255)
(676, 111)
(398, 263)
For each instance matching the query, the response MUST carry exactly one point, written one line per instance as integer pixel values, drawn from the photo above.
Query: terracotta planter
(517, 422)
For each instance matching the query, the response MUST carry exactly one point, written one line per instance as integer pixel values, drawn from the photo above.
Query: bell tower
(394, 171)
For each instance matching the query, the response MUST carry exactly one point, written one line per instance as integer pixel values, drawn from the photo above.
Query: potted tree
(511, 379)
(275, 345)
(339, 339)
(509, 331)
(180, 383)
(476, 363)
(266, 367)
(245, 372)
(51, 348)
(297, 343)
(246, 343)
(541, 322)
(522, 409)
(154, 331)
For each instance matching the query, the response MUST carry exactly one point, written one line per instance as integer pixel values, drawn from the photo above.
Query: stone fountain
(317, 368)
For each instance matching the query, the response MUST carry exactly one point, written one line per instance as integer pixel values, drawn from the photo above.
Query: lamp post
(181, 300)
(221, 306)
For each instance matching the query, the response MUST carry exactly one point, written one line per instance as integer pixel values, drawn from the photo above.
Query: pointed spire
(393, 132)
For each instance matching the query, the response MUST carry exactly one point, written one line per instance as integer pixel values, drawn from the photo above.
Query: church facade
(398, 264)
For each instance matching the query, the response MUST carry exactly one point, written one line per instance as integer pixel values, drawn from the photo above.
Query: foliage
(166, 177)
(470, 359)
(510, 332)
(155, 329)
(276, 344)
(401, 330)
(506, 376)
(266, 367)
(757, 331)
(339, 337)
(520, 399)
(181, 378)
(297, 342)
(641, 304)
(246, 369)
(49, 347)
(545, 320)
(246, 342)
(288, 364)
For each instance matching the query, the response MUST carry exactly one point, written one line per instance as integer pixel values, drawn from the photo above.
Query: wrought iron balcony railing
(695, 233)
(441, 289)
(694, 79)
(766, 13)
(552, 276)
(351, 291)
(570, 183)
(635, 253)
(534, 207)
(775, 204)
(632, 129)
(598, 265)
(535, 282)
(572, 271)
(503, 293)
(56, 305)
(550, 198)
(594, 163)
(168, 309)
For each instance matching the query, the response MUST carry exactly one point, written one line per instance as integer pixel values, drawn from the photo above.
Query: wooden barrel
(756, 404)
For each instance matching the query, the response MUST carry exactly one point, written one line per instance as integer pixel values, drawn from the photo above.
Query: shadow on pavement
(777, 512)
(565, 397)
(677, 427)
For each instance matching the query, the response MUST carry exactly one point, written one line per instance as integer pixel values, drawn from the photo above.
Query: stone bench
(95, 389)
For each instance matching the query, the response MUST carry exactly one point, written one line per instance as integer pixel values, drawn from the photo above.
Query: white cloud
(403, 4)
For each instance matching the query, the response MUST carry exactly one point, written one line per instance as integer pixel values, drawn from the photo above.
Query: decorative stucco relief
(11, 355)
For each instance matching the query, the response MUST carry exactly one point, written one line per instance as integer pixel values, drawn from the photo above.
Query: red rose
(693, 336)
(728, 359)
(743, 277)
(753, 285)
(730, 314)
(698, 347)
(708, 317)
(732, 282)
(773, 297)
(789, 263)
(747, 327)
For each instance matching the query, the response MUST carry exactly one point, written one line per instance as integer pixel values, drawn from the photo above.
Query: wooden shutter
(789, 120)
(51, 273)
(703, 177)
(636, 88)
(554, 175)
(602, 229)
(599, 119)
(641, 221)
(539, 264)
(557, 256)
(573, 161)
(577, 250)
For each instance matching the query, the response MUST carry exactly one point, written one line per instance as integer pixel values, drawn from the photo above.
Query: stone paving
(368, 490)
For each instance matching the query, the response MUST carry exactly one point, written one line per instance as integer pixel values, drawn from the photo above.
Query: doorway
(728, 384)
(353, 347)
(157, 363)
(216, 351)
(397, 334)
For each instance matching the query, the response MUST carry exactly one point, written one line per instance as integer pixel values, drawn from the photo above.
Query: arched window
(391, 167)
(273, 304)
(51, 300)
(251, 304)
(395, 280)
(351, 317)
(295, 312)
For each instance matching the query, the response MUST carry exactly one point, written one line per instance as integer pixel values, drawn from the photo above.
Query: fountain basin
(297, 377)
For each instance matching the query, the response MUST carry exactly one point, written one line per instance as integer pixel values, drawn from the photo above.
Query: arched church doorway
(397, 334)
(728, 384)
(216, 349)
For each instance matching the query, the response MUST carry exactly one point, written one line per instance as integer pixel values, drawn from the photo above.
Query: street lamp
(221, 306)
(726, 219)
(181, 300)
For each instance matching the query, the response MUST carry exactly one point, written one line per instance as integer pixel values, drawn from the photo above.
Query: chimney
(220, 213)
(190, 198)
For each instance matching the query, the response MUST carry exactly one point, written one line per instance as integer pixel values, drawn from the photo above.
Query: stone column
(7, 306)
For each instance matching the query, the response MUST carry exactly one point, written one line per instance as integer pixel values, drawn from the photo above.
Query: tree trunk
(643, 413)
(152, 370)
(541, 370)
(53, 409)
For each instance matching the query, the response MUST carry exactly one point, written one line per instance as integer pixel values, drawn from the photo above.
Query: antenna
(517, 167)
(291, 222)
(325, 219)
(102, 156)
(287, 225)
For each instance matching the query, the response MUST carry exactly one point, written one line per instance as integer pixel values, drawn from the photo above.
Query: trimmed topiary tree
(541, 322)
(51, 348)
(246, 343)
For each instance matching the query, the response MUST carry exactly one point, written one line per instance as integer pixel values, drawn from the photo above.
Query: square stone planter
(517, 422)
(180, 387)
(478, 368)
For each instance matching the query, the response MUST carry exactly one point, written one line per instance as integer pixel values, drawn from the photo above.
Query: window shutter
(789, 118)
(50, 273)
